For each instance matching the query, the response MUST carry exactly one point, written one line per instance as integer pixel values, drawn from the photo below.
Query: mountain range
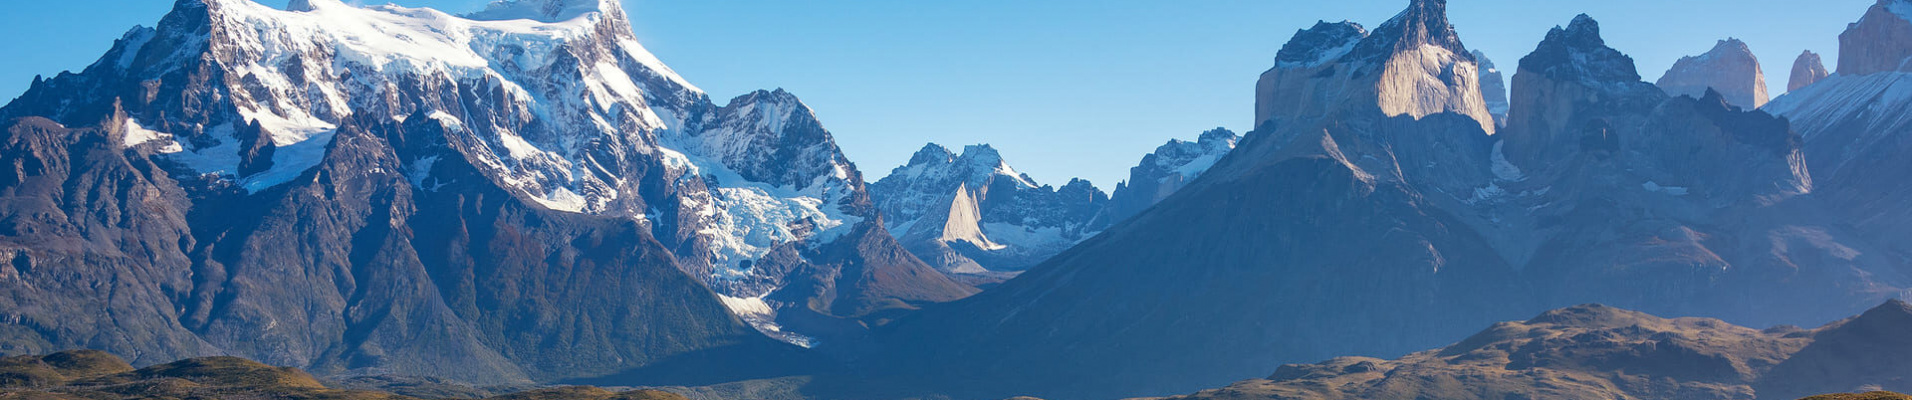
(1379, 210)
(973, 216)
(521, 194)
(524, 195)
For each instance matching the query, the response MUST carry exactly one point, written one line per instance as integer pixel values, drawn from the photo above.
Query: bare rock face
(1493, 88)
(1880, 42)
(1413, 65)
(1807, 70)
(1729, 68)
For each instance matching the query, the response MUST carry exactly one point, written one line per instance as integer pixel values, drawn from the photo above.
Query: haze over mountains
(525, 195)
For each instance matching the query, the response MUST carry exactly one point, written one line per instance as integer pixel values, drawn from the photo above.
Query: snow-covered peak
(1319, 44)
(932, 154)
(545, 10)
(977, 165)
(1189, 159)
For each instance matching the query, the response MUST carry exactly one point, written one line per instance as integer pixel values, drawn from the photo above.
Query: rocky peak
(1577, 53)
(1806, 70)
(1010, 222)
(932, 153)
(1412, 65)
(1880, 42)
(1424, 23)
(1165, 171)
(1729, 67)
(1564, 91)
(1218, 136)
(1324, 42)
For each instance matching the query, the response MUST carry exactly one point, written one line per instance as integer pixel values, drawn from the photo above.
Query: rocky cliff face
(522, 194)
(1367, 231)
(1880, 42)
(1729, 68)
(1599, 352)
(1162, 173)
(1807, 70)
(1413, 65)
(1493, 88)
(972, 213)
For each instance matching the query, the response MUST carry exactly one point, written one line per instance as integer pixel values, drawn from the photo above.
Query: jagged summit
(972, 213)
(1424, 23)
(1412, 65)
(1577, 53)
(1324, 42)
(1170, 168)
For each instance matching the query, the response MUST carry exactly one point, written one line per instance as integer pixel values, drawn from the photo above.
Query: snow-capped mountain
(972, 213)
(521, 193)
(1729, 68)
(1161, 173)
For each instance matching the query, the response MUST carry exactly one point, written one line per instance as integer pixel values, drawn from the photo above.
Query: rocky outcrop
(973, 214)
(1729, 68)
(1806, 71)
(1162, 173)
(1599, 352)
(1412, 65)
(1880, 42)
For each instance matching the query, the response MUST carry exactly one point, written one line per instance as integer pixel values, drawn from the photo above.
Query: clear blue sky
(1064, 88)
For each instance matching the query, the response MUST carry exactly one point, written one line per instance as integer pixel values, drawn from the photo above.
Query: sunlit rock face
(1807, 70)
(1880, 42)
(1729, 68)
